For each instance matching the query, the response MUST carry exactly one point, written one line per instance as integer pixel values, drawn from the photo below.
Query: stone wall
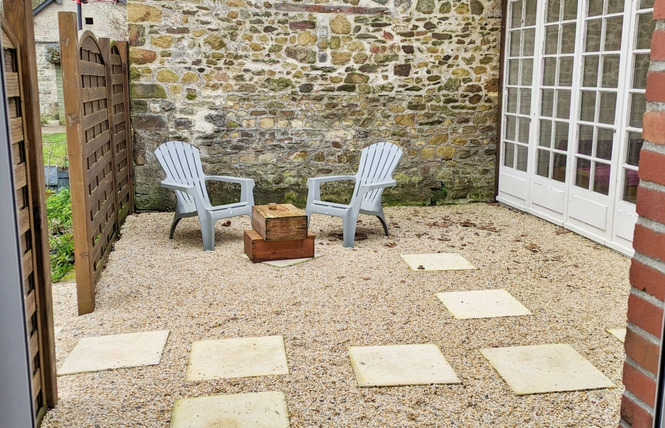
(284, 91)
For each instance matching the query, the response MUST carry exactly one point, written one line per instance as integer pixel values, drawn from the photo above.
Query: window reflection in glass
(543, 164)
(645, 27)
(522, 157)
(566, 71)
(638, 106)
(563, 104)
(610, 71)
(613, 28)
(604, 143)
(545, 139)
(585, 142)
(588, 108)
(601, 179)
(583, 173)
(590, 71)
(509, 155)
(631, 182)
(608, 101)
(635, 142)
(559, 168)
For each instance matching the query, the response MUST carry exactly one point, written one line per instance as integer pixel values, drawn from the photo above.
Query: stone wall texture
(284, 91)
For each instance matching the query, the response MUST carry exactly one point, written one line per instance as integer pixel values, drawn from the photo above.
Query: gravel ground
(366, 296)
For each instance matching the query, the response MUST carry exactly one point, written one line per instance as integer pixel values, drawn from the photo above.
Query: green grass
(55, 149)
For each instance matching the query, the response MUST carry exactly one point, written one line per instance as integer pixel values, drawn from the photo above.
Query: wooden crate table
(279, 233)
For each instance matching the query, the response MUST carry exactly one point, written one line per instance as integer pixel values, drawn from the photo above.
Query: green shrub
(61, 237)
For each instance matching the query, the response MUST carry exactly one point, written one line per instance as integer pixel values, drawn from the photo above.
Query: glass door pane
(639, 57)
(518, 83)
(596, 126)
(555, 89)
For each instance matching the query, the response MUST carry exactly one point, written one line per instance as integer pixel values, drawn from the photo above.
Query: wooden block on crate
(281, 223)
(259, 250)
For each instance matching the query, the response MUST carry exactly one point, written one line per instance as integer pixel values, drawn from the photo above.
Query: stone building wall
(109, 20)
(284, 91)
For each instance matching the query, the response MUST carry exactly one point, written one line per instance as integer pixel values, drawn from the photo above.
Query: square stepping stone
(231, 358)
(397, 365)
(482, 304)
(290, 262)
(619, 333)
(545, 368)
(256, 410)
(437, 261)
(92, 354)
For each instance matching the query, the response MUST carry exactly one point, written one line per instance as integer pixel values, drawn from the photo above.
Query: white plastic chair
(182, 164)
(377, 163)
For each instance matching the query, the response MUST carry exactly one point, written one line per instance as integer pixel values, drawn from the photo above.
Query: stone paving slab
(233, 358)
(545, 368)
(291, 262)
(248, 410)
(437, 261)
(619, 333)
(482, 304)
(93, 354)
(397, 365)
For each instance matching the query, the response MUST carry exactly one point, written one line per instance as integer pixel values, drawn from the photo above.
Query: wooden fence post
(69, 52)
(18, 14)
(123, 49)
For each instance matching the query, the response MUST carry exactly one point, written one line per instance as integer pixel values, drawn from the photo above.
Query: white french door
(572, 108)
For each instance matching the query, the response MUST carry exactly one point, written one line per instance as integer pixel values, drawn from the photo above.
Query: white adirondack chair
(377, 163)
(182, 164)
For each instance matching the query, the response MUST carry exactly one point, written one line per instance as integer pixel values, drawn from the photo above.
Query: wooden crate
(283, 223)
(259, 250)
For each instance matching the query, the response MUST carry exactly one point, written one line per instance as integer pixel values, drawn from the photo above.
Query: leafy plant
(55, 149)
(61, 234)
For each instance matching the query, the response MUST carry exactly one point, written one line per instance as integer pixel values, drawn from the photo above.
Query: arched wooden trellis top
(97, 116)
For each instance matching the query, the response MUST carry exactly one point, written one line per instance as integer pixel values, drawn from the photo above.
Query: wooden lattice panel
(97, 149)
(25, 210)
(121, 135)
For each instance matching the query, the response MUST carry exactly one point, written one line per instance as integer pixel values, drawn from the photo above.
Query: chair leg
(383, 223)
(208, 233)
(349, 231)
(176, 220)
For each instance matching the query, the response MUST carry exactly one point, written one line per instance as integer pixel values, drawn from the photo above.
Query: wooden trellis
(19, 67)
(94, 75)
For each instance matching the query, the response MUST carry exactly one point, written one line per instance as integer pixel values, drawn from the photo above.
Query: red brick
(656, 86)
(651, 204)
(642, 386)
(649, 242)
(635, 415)
(646, 279)
(659, 9)
(658, 45)
(652, 167)
(642, 351)
(654, 127)
(645, 315)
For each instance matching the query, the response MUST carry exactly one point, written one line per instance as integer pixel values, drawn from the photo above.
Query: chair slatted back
(377, 163)
(182, 164)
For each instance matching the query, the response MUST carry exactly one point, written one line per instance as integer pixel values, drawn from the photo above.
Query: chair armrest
(228, 179)
(246, 186)
(364, 188)
(177, 186)
(314, 185)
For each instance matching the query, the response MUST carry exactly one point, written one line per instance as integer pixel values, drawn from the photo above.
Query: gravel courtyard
(575, 289)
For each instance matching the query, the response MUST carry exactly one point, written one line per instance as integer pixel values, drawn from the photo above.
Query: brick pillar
(647, 272)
